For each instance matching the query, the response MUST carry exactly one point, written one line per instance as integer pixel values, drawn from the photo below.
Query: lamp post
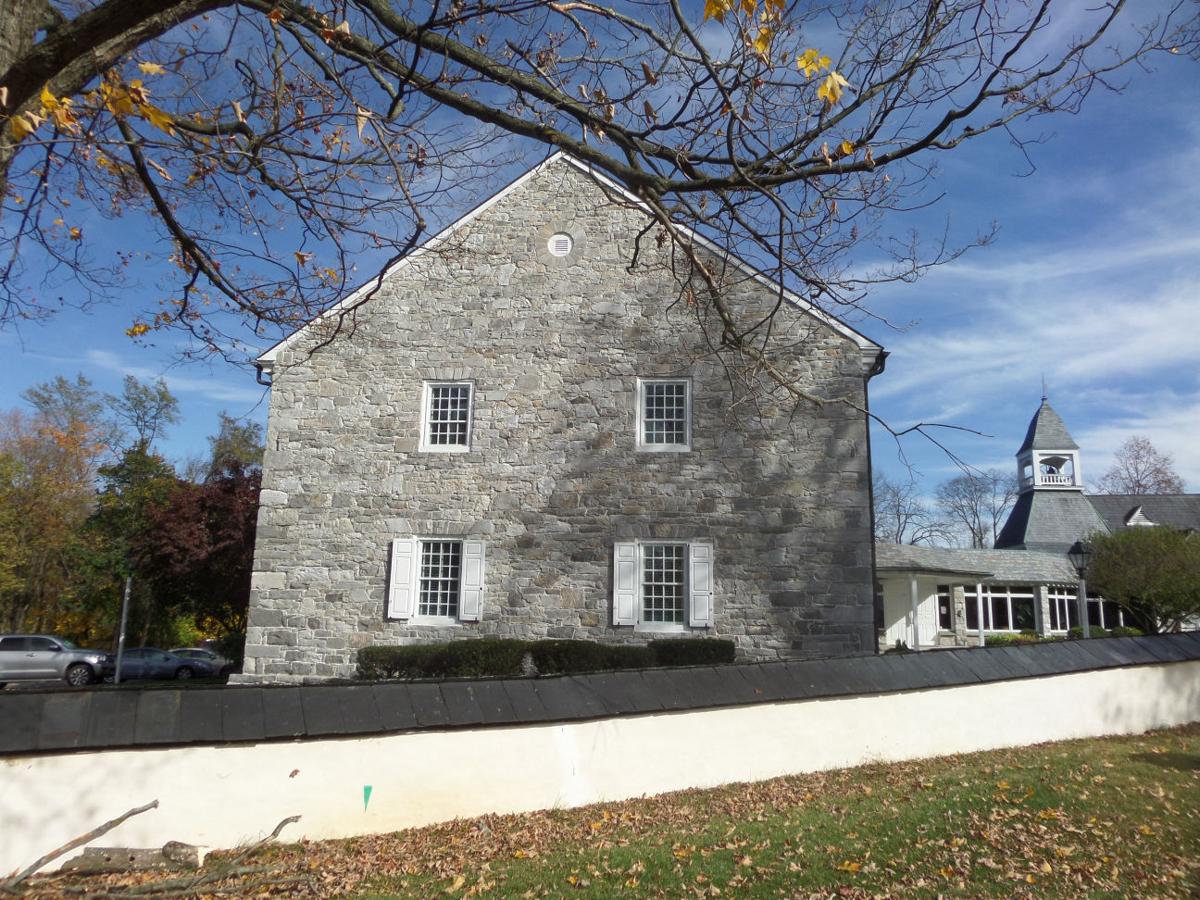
(1080, 555)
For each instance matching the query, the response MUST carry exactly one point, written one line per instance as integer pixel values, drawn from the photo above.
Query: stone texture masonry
(552, 479)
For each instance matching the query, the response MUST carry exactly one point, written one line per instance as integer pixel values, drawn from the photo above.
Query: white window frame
(469, 608)
(425, 445)
(1012, 591)
(697, 598)
(642, 444)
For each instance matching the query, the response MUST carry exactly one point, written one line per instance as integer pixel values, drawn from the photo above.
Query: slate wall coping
(58, 721)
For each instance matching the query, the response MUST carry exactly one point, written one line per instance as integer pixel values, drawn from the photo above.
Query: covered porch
(934, 597)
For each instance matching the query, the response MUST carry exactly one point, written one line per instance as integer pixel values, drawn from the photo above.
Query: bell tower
(1049, 457)
(1051, 511)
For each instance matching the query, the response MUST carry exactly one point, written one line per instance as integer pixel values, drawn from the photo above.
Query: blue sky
(1092, 282)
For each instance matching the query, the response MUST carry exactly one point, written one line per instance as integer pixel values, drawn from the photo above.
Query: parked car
(153, 663)
(220, 664)
(40, 657)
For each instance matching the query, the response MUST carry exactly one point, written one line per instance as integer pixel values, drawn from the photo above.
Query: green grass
(1106, 818)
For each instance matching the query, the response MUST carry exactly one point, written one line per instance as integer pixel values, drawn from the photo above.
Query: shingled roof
(1173, 510)
(1050, 520)
(1047, 431)
(991, 566)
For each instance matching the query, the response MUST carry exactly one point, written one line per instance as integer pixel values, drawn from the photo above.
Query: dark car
(153, 663)
(220, 664)
(40, 657)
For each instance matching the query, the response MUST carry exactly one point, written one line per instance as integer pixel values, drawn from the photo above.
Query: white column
(979, 612)
(916, 629)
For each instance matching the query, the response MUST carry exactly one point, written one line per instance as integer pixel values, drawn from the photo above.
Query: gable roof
(1174, 510)
(869, 347)
(1047, 431)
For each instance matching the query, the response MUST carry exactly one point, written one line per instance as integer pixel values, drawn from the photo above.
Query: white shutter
(625, 584)
(700, 585)
(470, 599)
(401, 578)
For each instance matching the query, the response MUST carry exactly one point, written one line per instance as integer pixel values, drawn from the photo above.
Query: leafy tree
(978, 502)
(237, 442)
(134, 490)
(274, 142)
(47, 467)
(1154, 572)
(1140, 469)
(146, 410)
(903, 517)
(200, 547)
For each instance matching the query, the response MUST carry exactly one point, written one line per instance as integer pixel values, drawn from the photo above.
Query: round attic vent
(559, 244)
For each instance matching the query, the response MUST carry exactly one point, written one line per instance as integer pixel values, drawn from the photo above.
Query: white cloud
(1171, 424)
(213, 388)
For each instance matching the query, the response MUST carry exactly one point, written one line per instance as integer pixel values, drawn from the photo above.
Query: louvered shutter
(470, 601)
(700, 585)
(625, 584)
(402, 578)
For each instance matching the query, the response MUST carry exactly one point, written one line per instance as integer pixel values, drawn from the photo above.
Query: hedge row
(1032, 637)
(504, 657)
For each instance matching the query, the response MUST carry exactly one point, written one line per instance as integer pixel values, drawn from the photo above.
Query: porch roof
(1015, 566)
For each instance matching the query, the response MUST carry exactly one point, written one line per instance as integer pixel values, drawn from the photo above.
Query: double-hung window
(664, 415)
(436, 581)
(446, 408)
(663, 585)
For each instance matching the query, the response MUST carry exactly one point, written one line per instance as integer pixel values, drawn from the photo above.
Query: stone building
(525, 433)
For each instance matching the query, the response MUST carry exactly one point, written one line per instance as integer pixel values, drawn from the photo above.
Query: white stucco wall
(221, 796)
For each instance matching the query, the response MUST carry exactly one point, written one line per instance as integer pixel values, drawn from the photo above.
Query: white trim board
(868, 346)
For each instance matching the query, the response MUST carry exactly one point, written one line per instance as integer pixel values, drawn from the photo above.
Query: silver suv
(38, 657)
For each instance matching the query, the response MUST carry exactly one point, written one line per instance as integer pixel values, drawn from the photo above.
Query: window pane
(662, 582)
(13, 644)
(972, 607)
(41, 643)
(441, 563)
(449, 414)
(943, 600)
(664, 412)
(1022, 611)
(999, 612)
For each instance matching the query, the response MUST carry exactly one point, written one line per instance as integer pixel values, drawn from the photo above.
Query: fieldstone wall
(552, 479)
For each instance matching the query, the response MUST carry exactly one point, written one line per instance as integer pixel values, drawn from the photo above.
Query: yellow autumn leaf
(811, 62)
(76, 234)
(151, 68)
(831, 88)
(360, 118)
(302, 258)
(849, 866)
(846, 148)
(716, 9)
(21, 126)
(761, 45)
(49, 101)
(749, 6)
(137, 329)
(156, 117)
